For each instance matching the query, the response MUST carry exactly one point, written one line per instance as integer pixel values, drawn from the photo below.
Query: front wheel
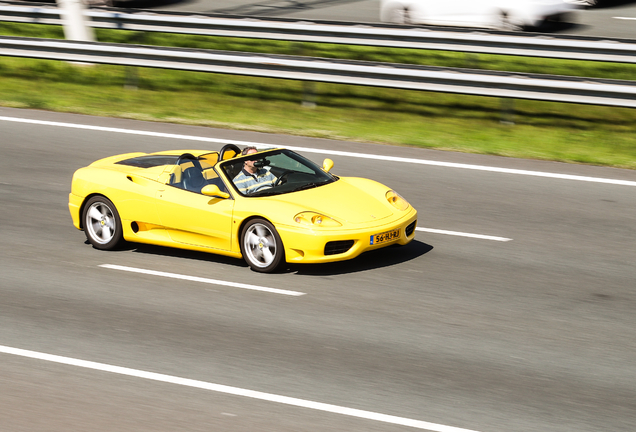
(261, 246)
(102, 224)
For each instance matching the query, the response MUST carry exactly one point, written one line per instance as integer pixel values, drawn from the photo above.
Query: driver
(252, 178)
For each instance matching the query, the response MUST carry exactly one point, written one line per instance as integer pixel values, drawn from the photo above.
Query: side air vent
(338, 247)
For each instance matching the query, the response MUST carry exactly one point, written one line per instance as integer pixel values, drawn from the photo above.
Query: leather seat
(193, 179)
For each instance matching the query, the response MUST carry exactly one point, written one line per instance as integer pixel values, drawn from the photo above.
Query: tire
(102, 224)
(261, 246)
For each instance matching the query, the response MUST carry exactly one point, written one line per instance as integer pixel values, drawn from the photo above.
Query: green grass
(541, 130)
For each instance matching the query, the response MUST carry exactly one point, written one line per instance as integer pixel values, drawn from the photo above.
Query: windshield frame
(228, 168)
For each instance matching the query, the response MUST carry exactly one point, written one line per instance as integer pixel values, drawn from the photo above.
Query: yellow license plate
(385, 237)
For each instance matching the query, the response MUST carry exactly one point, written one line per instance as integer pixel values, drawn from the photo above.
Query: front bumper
(74, 205)
(303, 245)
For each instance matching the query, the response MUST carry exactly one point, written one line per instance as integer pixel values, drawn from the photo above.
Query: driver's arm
(269, 177)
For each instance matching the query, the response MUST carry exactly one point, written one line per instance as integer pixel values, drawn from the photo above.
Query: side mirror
(213, 190)
(327, 164)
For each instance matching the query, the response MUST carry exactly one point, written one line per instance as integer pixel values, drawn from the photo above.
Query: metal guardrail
(448, 80)
(382, 35)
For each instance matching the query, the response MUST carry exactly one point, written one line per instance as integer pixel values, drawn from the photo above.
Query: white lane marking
(203, 280)
(462, 234)
(329, 152)
(233, 390)
(625, 18)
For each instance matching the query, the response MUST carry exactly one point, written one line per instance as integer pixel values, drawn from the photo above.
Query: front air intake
(409, 229)
(338, 247)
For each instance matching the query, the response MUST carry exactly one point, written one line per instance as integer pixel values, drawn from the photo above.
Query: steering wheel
(279, 180)
(227, 147)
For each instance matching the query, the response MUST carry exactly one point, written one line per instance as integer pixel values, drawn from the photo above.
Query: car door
(196, 219)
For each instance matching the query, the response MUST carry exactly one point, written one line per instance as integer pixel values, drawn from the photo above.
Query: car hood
(350, 200)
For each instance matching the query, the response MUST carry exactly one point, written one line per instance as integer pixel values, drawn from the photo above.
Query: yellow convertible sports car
(268, 207)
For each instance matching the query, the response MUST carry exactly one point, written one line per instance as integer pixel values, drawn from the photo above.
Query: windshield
(273, 173)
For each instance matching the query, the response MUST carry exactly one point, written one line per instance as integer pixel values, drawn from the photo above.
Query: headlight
(396, 200)
(316, 219)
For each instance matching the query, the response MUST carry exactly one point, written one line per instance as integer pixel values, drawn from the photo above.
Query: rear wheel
(261, 246)
(102, 224)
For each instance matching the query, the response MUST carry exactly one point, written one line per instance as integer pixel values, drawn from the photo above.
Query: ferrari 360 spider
(270, 207)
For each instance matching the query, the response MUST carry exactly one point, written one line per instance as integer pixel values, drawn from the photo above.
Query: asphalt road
(615, 18)
(531, 334)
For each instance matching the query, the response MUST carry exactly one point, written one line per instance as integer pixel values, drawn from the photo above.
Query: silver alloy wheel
(259, 244)
(100, 222)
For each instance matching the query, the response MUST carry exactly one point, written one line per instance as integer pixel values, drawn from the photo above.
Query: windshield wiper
(311, 185)
(267, 192)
